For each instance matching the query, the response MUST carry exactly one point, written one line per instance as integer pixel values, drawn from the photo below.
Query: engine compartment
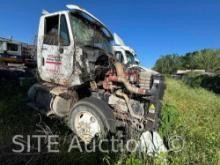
(129, 92)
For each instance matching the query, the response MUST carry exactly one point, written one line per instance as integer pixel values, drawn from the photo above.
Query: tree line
(207, 59)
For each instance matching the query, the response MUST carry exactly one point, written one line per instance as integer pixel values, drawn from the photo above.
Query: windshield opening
(130, 57)
(87, 33)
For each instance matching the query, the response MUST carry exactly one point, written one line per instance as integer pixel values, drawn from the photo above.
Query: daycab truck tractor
(82, 82)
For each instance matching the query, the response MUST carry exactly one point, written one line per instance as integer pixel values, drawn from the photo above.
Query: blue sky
(152, 27)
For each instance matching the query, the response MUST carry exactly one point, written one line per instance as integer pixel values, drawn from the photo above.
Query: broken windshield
(87, 33)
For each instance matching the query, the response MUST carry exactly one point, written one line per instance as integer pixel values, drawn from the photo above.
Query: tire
(91, 118)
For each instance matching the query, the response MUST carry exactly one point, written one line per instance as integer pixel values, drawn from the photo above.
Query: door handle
(44, 48)
(43, 62)
(61, 50)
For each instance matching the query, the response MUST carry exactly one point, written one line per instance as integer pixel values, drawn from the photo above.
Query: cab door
(56, 51)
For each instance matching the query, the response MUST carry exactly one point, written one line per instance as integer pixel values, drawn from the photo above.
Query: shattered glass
(87, 33)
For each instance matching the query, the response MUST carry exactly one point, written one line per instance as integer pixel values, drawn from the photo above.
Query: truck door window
(130, 57)
(119, 56)
(51, 30)
(1, 47)
(64, 34)
(12, 47)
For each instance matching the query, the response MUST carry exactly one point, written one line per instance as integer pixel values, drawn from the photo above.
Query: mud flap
(155, 105)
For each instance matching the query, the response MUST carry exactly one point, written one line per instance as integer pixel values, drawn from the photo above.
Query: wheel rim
(87, 126)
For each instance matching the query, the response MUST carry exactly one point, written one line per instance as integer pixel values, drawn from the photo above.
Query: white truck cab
(9, 47)
(123, 53)
(62, 37)
(127, 55)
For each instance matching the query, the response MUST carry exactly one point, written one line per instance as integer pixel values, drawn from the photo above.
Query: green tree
(189, 61)
(207, 59)
(168, 64)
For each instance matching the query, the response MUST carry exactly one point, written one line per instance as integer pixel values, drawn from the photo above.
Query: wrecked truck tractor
(83, 84)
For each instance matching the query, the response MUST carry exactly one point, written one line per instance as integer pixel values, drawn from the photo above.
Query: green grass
(192, 113)
(16, 118)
